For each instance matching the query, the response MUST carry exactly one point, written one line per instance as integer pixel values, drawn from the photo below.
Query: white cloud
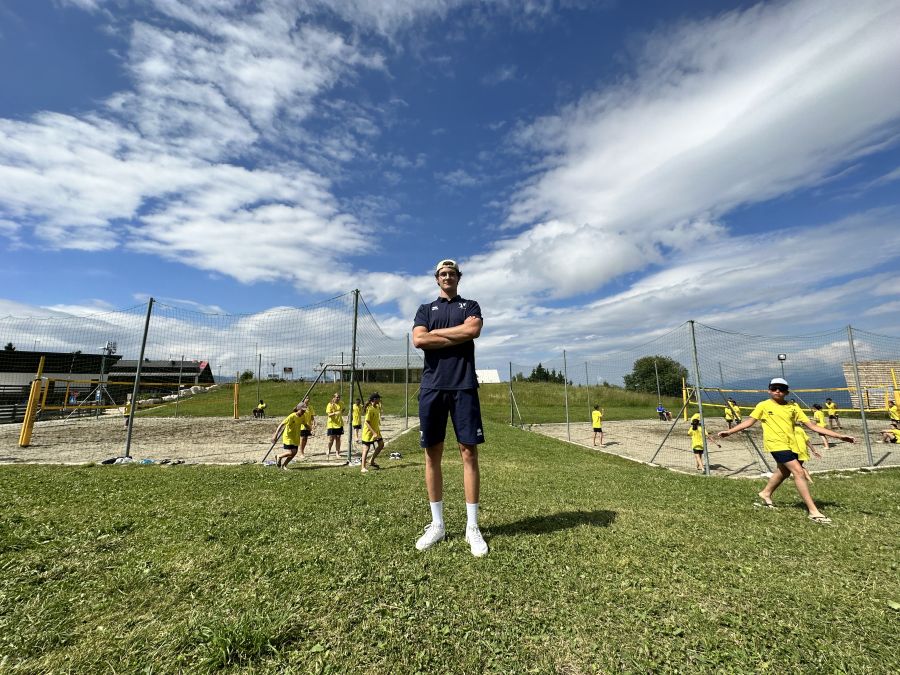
(459, 178)
(717, 115)
(504, 73)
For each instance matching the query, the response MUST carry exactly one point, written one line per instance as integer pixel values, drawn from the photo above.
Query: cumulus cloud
(716, 115)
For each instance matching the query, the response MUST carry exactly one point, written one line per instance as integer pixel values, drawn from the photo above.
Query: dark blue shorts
(335, 432)
(461, 405)
(289, 447)
(305, 433)
(784, 456)
(598, 430)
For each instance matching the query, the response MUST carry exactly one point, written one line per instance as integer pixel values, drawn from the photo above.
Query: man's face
(448, 280)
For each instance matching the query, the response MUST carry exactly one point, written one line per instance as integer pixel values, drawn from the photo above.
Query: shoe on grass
(433, 534)
(475, 541)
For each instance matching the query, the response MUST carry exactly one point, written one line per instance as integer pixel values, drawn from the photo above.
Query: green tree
(10, 347)
(246, 376)
(539, 374)
(643, 375)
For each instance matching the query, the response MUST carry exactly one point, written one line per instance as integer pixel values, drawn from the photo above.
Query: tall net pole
(566, 394)
(587, 388)
(137, 380)
(178, 391)
(353, 371)
(512, 418)
(699, 391)
(406, 389)
(859, 397)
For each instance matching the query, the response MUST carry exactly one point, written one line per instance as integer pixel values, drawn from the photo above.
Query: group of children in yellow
(297, 428)
(784, 436)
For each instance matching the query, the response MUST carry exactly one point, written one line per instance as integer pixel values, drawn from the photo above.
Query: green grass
(537, 402)
(597, 565)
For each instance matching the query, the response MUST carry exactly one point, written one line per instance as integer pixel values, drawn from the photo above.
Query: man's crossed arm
(447, 337)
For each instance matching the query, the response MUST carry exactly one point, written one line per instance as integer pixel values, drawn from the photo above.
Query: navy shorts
(357, 426)
(305, 433)
(697, 451)
(784, 456)
(289, 447)
(335, 432)
(598, 430)
(373, 441)
(461, 405)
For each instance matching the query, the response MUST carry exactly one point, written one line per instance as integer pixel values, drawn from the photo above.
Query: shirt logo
(434, 309)
(462, 305)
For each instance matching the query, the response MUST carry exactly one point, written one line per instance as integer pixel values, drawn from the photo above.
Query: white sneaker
(476, 541)
(433, 534)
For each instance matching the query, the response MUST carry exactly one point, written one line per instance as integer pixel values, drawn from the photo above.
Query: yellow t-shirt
(894, 412)
(729, 413)
(307, 419)
(356, 411)
(831, 408)
(820, 417)
(778, 423)
(597, 419)
(373, 419)
(335, 412)
(801, 438)
(291, 433)
(262, 406)
(696, 437)
(896, 433)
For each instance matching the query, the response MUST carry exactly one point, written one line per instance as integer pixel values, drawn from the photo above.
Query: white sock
(437, 513)
(471, 514)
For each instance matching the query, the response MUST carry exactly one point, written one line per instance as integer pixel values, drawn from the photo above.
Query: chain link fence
(648, 393)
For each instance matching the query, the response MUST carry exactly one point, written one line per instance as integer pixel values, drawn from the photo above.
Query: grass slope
(597, 565)
(537, 402)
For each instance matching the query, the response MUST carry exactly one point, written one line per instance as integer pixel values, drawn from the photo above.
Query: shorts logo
(478, 432)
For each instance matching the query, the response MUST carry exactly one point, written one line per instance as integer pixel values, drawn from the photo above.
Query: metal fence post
(587, 387)
(178, 393)
(406, 389)
(859, 396)
(353, 375)
(566, 394)
(512, 418)
(137, 380)
(699, 390)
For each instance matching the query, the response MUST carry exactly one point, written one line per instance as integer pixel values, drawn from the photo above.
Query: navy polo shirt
(450, 367)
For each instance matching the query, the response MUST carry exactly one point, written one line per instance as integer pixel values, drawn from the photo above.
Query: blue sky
(598, 168)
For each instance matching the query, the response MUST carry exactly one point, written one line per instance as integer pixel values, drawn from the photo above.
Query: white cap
(778, 380)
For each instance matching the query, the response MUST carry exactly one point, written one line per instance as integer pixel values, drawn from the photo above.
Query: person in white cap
(445, 330)
(778, 418)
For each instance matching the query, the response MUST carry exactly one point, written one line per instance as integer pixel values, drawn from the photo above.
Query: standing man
(446, 330)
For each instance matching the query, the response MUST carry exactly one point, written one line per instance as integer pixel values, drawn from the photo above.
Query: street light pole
(782, 358)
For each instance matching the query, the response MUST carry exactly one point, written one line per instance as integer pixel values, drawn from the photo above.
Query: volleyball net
(649, 392)
(162, 360)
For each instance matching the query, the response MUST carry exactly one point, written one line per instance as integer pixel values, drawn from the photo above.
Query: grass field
(537, 402)
(597, 565)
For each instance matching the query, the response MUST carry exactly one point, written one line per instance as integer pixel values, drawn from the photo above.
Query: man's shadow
(554, 522)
